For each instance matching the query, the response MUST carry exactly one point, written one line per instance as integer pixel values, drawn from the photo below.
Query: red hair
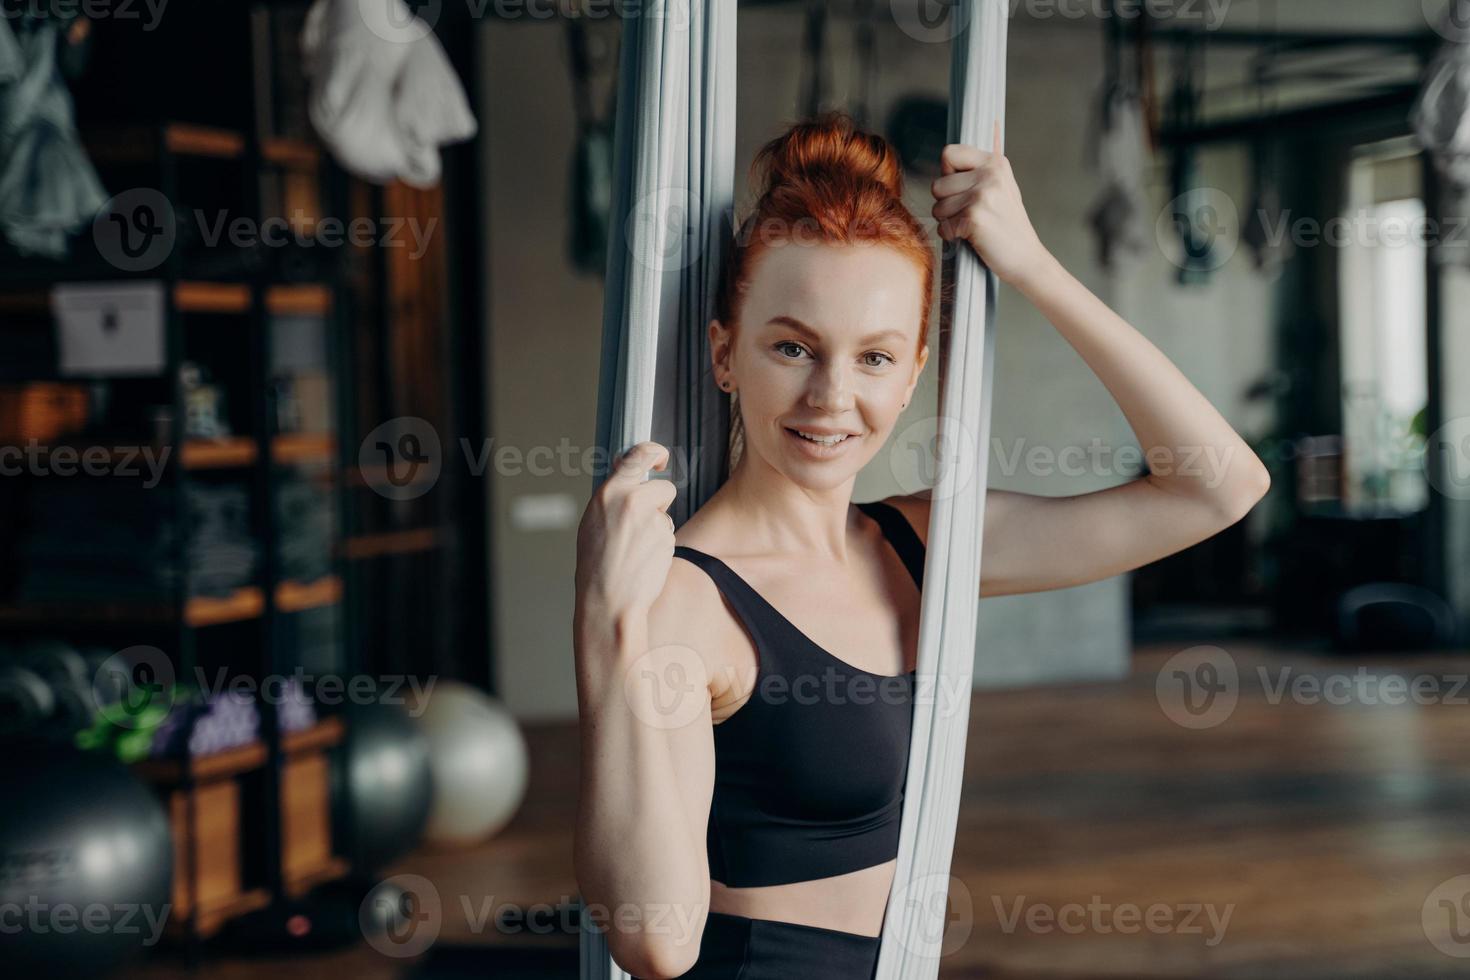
(826, 181)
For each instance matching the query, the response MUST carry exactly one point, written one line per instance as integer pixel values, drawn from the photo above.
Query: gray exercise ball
(88, 854)
(383, 784)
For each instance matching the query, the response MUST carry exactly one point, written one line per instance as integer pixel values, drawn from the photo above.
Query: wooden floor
(1298, 838)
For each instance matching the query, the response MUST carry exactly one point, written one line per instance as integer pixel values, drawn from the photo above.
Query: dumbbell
(65, 671)
(26, 701)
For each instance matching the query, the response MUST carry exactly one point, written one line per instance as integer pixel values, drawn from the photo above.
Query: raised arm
(647, 743)
(1202, 476)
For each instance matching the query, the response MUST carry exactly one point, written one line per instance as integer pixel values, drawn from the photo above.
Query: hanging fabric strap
(914, 926)
(672, 222)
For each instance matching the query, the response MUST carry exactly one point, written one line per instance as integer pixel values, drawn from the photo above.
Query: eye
(788, 343)
(873, 353)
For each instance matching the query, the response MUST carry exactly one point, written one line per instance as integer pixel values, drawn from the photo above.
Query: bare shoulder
(690, 612)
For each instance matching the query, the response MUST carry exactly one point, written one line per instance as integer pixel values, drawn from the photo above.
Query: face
(826, 345)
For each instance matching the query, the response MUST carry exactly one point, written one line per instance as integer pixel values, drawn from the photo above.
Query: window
(1384, 376)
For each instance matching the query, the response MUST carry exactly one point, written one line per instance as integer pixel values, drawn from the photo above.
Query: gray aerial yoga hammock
(673, 201)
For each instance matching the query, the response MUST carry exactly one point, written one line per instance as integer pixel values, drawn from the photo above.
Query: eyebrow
(802, 328)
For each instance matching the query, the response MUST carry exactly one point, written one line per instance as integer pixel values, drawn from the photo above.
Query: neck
(776, 516)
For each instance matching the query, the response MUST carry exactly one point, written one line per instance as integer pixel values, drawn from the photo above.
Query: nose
(831, 390)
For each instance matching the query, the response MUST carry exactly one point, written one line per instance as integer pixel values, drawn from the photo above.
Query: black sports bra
(809, 771)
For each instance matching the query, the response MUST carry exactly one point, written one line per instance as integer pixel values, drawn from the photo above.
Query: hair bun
(827, 147)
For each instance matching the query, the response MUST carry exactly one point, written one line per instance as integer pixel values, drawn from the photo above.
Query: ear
(720, 346)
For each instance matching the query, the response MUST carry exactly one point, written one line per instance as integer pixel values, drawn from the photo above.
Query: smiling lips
(818, 441)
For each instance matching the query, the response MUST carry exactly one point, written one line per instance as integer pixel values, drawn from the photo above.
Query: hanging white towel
(1441, 118)
(48, 187)
(383, 95)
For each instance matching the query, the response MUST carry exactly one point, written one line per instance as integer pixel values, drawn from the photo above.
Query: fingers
(661, 492)
(953, 204)
(956, 157)
(959, 156)
(953, 183)
(650, 501)
(957, 227)
(634, 464)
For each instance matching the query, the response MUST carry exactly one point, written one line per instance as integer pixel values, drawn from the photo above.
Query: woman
(728, 824)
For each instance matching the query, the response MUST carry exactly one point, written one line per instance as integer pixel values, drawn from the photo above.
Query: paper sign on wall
(110, 328)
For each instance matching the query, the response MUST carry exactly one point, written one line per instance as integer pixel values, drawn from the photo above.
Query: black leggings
(738, 948)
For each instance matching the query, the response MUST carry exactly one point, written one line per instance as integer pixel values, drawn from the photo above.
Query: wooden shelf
(303, 447)
(217, 765)
(325, 734)
(197, 454)
(298, 885)
(202, 454)
(302, 299)
(123, 144)
(243, 603)
(292, 596)
(203, 141)
(360, 546)
(137, 143)
(212, 297)
(212, 916)
(247, 602)
(288, 152)
(376, 476)
(27, 301)
(194, 296)
(45, 611)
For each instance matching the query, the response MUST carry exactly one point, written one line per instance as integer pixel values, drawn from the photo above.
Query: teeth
(821, 440)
